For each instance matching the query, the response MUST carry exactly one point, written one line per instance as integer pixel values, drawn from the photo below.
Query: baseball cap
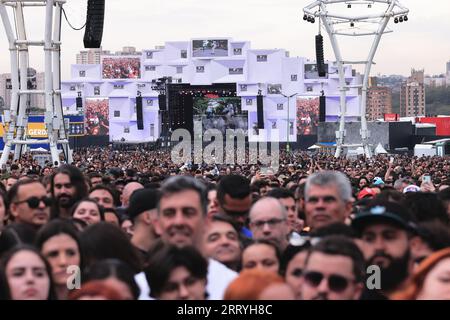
(411, 188)
(377, 181)
(142, 200)
(366, 192)
(383, 211)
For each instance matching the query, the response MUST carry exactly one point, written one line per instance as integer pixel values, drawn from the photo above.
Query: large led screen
(121, 67)
(220, 113)
(97, 116)
(209, 48)
(307, 115)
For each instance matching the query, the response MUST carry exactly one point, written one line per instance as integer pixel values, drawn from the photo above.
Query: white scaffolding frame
(322, 10)
(16, 119)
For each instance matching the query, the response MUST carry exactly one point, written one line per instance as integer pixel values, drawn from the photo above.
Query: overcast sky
(422, 42)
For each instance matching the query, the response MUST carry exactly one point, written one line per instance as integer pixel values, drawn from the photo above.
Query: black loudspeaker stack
(162, 102)
(319, 56)
(139, 115)
(260, 111)
(79, 102)
(322, 109)
(94, 24)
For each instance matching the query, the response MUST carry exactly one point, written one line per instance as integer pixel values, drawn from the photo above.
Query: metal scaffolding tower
(16, 119)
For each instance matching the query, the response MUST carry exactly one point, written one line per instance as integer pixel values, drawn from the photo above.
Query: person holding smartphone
(427, 185)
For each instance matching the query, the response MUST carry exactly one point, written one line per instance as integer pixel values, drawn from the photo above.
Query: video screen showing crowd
(121, 68)
(97, 116)
(307, 115)
(138, 226)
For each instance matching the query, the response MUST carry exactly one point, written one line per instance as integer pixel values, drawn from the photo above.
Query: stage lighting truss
(347, 22)
(355, 18)
(203, 93)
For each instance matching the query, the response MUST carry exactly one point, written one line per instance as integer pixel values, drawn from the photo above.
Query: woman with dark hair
(292, 264)
(104, 240)
(16, 234)
(88, 210)
(261, 254)
(111, 216)
(59, 243)
(115, 273)
(363, 182)
(175, 273)
(26, 275)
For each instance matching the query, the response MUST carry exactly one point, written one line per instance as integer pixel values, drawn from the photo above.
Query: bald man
(268, 221)
(128, 191)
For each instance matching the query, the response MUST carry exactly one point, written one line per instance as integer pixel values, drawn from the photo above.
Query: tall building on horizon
(36, 80)
(91, 56)
(412, 95)
(379, 100)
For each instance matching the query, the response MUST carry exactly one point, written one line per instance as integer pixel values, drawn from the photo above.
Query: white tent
(380, 150)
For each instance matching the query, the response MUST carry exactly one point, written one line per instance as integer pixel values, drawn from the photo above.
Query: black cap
(387, 212)
(142, 200)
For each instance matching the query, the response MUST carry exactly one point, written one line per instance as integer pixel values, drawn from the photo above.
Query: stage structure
(213, 81)
(339, 21)
(15, 120)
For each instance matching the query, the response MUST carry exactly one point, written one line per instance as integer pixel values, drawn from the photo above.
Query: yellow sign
(36, 130)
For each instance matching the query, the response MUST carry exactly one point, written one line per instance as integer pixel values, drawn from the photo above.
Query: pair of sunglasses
(33, 202)
(336, 283)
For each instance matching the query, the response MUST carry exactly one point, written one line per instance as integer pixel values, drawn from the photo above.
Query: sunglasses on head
(33, 202)
(336, 282)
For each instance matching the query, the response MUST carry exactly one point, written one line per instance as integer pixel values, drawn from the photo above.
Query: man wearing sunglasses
(334, 270)
(29, 203)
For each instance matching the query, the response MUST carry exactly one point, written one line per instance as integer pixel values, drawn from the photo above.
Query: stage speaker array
(139, 115)
(260, 111)
(319, 56)
(79, 103)
(162, 102)
(94, 24)
(322, 109)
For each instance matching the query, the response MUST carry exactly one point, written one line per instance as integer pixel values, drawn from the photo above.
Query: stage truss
(338, 19)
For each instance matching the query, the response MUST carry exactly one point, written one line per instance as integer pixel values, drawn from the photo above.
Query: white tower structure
(340, 21)
(15, 120)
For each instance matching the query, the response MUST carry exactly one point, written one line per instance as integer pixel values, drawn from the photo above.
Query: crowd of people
(121, 68)
(131, 224)
(307, 116)
(97, 117)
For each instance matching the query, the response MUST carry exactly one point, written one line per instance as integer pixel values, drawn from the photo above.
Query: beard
(395, 273)
(65, 201)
